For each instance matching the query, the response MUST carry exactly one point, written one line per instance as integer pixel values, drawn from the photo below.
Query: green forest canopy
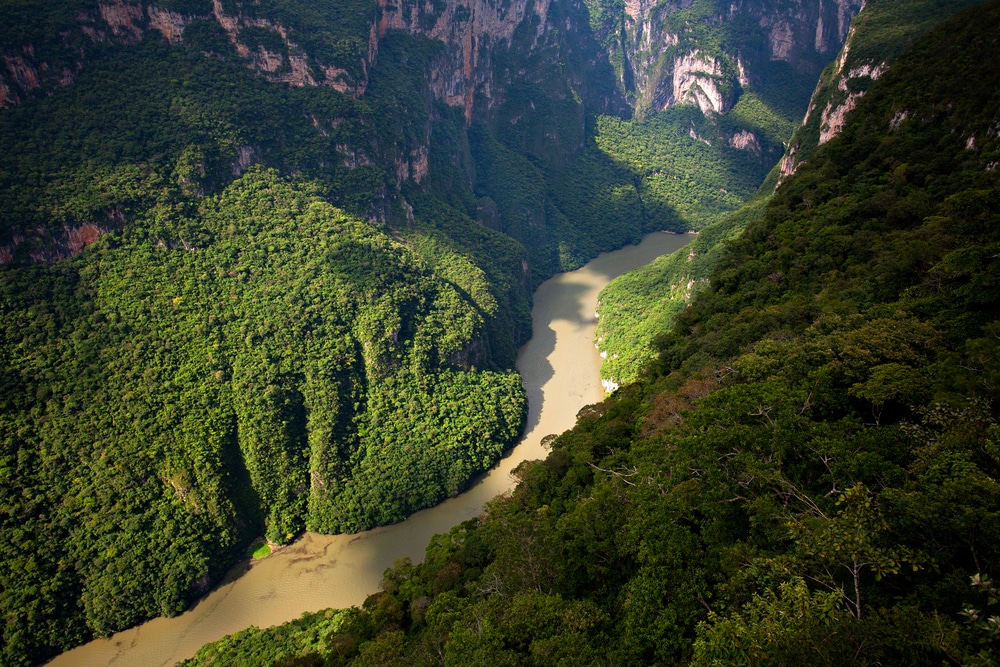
(193, 354)
(808, 474)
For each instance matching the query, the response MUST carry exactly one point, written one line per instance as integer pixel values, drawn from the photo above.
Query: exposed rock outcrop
(413, 166)
(657, 47)
(124, 18)
(291, 65)
(171, 24)
(856, 67)
(835, 96)
(20, 73)
(836, 110)
(126, 22)
(470, 31)
(660, 67)
(696, 80)
(745, 140)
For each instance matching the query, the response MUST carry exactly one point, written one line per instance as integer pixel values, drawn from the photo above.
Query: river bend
(560, 369)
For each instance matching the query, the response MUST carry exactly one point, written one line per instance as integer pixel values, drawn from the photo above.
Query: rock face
(471, 31)
(171, 24)
(658, 48)
(21, 74)
(127, 22)
(837, 108)
(695, 80)
(531, 69)
(835, 96)
(745, 140)
(667, 54)
(475, 35)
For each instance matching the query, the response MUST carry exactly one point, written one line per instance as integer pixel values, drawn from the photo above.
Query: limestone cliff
(528, 71)
(470, 31)
(695, 80)
(483, 45)
(463, 54)
(267, 45)
(663, 52)
(835, 96)
(703, 52)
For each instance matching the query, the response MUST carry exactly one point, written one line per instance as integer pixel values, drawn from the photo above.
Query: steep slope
(634, 309)
(390, 60)
(637, 306)
(876, 40)
(705, 52)
(526, 74)
(809, 478)
(297, 368)
(197, 350)
(717, 89)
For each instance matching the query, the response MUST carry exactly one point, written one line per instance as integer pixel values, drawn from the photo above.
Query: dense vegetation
(691, 168)
(218, 350)
(638, 306)
(807, 475)
(635, 307)
(641, 53)
(232, 307)
(227, 358)
(879, 35)
(295, 369)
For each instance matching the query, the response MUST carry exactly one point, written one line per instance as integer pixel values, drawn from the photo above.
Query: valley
(266, 267)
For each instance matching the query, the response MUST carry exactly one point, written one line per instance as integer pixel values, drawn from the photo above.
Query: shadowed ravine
(560, 370)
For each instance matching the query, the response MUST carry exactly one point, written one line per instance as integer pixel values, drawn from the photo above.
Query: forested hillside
(636, 306)
(187, 399)
(808, 473)
(265, 266)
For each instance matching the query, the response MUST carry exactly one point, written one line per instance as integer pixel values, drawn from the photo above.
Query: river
(560, 369)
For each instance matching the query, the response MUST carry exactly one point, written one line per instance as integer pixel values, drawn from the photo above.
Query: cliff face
(268, 46)
(21, 74)
(703, 52)
(278, 59)
(470, 32)
(480, 48)
(835, 96)
(662, 52)
(530, 70)
(878, 36)
(695, 80)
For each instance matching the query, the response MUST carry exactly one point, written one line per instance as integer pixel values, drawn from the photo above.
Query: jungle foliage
(287, 367)
(879, 35)
(231, 307)
(636, 306)
(637, 49)
(808, 473)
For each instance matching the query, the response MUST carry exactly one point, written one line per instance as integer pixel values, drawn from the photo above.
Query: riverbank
(560, 368)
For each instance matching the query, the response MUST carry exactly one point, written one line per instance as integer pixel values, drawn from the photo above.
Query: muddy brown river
(560, 369)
